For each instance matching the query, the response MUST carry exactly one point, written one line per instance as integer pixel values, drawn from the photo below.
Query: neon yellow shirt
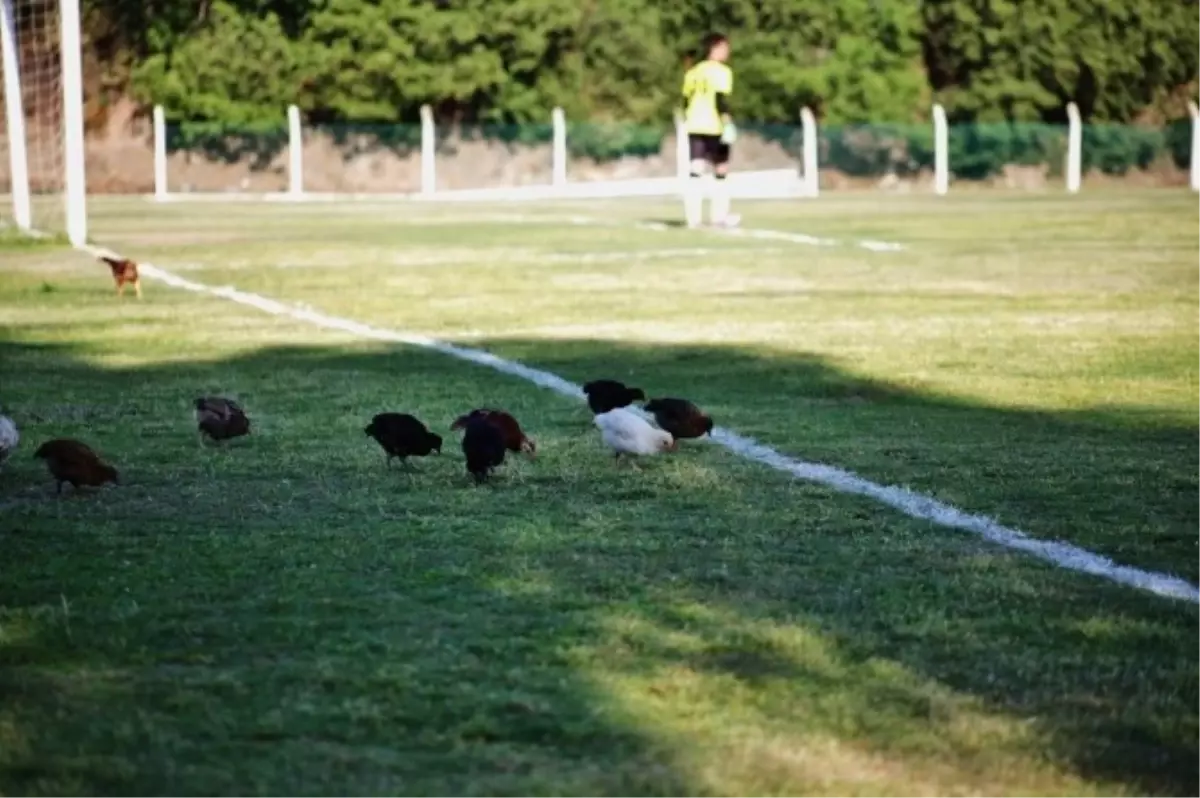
(701, 85)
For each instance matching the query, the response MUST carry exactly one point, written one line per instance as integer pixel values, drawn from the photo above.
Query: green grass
(283, 614)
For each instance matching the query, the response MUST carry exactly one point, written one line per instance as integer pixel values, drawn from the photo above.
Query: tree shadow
(289, 616)
(258, 145)
(356, 140)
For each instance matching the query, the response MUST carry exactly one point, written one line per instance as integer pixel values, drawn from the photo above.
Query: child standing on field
(710, 130)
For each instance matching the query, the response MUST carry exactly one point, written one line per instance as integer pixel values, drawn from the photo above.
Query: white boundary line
(753, 232)
(795, 238)
(911, 503)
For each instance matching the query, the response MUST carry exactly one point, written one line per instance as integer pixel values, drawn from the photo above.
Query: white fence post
(428, 151)
(295, 152)
(1074, 148)
(941, 150)
(1195, 112)
(73, 143)
(559, 122)
(683, 150)
(160, 153)
(18, 158)
(812, 175)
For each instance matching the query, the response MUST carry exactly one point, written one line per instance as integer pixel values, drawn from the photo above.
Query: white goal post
(43, 181)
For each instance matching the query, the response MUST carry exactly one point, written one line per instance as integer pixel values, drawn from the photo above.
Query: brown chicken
(679, 417)
(220, 418)
(515, 439)
(72, 461)
(124, 271)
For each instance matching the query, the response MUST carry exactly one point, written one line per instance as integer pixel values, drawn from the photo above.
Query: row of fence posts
(809, 169)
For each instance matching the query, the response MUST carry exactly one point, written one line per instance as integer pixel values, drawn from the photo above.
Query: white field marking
(751, 232)
(430, 258)
(912, 504)
(777, 235)
(551, 218)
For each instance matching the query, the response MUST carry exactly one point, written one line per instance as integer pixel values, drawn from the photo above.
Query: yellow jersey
(701, 85)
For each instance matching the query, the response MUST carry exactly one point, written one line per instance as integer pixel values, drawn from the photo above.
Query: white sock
(693, 201)
(720, 202)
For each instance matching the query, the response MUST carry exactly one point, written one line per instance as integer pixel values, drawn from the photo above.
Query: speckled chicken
(124, 271)
(606, 395)
(74, 461)
(515, 439)
(220, 418)
(679, 417)
(403, 436)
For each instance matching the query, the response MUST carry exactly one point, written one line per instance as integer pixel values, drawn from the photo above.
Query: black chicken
(605, 395)
(403, 436)
(220, 418)
(483, 444)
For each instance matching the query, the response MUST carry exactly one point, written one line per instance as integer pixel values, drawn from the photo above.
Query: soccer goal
(42, 173)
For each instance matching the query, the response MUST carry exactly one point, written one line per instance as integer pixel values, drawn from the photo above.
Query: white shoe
(732, 220)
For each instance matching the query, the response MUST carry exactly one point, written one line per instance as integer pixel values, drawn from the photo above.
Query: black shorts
(705, 147)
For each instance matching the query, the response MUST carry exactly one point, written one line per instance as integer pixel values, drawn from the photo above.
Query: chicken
(9, 438)
(72, 461)
(220, 418)
(679, 417)
(124, 271)
(403, 436)
(483, 444)
(625, 432)
(605, 395)
(515, 439)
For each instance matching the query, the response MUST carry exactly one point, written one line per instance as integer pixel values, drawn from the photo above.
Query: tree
(993, 60)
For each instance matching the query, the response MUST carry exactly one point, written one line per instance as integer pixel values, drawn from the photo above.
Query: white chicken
(625, 432)
(9, 438)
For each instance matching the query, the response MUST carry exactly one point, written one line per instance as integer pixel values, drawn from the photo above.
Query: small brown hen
(75, 462)
(515, 439)
(124, 271)
(220, 418)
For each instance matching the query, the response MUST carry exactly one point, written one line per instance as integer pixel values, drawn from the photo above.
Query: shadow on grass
(285, 615)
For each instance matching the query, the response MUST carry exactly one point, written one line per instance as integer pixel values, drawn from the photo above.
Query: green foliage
(235, 69)
(990, 60)
(868, 150)
(999, 65)
(1177, 138)
(980, 151)
(983, 150)
(1115, 149)
(606, 142)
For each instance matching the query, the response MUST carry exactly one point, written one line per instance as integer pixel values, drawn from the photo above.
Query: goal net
(32, 130)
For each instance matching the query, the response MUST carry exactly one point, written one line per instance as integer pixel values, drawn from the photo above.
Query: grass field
(284, 615)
